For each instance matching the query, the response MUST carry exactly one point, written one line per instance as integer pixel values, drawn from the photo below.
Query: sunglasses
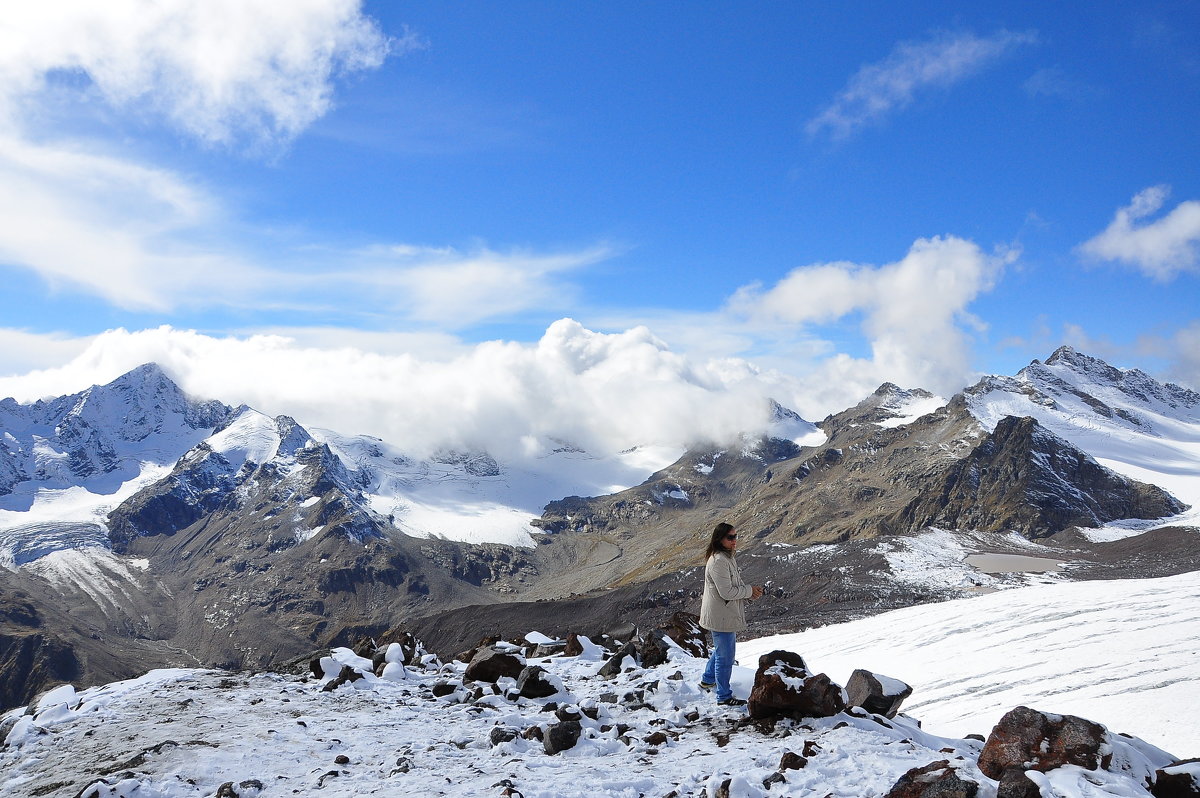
(731, 537)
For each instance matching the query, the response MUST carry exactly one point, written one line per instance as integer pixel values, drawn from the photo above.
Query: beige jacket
(722, 607)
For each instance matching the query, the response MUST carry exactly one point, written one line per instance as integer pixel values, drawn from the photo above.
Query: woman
(722, 610)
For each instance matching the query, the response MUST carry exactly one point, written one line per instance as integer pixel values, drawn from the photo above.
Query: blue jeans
(720, 664)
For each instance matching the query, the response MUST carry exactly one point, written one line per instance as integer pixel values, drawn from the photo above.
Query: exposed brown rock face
(882, 696)
(783, 687)
(1031, 740)
(935, 780)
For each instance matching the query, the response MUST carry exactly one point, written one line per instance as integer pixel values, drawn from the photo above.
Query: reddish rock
(935, 780)
(1015, 784)
(684, 629)
(784, 687)
(573, 648)
(1177, 780)
(1031, 740)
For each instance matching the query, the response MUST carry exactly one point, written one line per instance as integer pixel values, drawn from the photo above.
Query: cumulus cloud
(1162, 248)
(879, 89)
(604, 392)
(914, 313)
(218, 70)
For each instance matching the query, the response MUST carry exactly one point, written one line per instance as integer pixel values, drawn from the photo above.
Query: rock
(568, 713)
(1015, 784)
(880, 695)
(226, 791)
(616, 663)
(411, 647)
(534, 681)
(653, 649)
(1032, 740)
(443, 688)
(341, 759)
(490, 664)
(784, 687)
(543, 650)
(792, 761)
(935, 780)
(684, 629)
(346, 676)
(503, 734)
(561, 736)
(1177, 780)
(656, 738)
(573, 647)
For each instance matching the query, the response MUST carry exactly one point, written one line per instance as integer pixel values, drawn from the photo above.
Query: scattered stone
(935, 780)
(568, 714)
(535, 732)
(341, 759)
(503, 734)
(443, 688)
(1015, 784)
(491, 663)
(573, 647)
(616, 664)
(773, 779)
(346, 676)
(561, 736)
(653, 648)
(534, 681)
(792, 761)
(1177, 780)
(1033, 740)
(877, 694)
(684, 629)
(656, 738)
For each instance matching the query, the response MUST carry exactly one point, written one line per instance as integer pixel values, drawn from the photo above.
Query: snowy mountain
(421, 727)
(140, 527)
(1125, 419)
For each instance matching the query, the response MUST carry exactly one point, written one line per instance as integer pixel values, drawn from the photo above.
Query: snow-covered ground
(1121, 653)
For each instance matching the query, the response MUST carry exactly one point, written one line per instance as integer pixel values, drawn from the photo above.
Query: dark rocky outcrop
(783, 687)
(880, 695)
(935, 780)
(1031, 740)
(492, 663)
(1178, 780)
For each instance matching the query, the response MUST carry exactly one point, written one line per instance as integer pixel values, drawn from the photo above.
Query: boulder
(573, 647)
(877, 694)
(491, 663)
(1177, 780)
(935, 780)
(346, 676)
(653, 648)
(561, 736)
(503, 734)
(684, 629)
(1015, 784)
(535, 681)
(616, 663)
(783, 687)
(1031, 740)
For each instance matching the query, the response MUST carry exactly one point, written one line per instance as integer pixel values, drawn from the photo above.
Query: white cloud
(114, 229)
(877, 90)
(605, 392)
(914, 316)
(457, 289)
(1161, 249)
(218, 70)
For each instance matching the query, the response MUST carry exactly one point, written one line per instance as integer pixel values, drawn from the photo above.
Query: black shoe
(732, 702)
(707, 685)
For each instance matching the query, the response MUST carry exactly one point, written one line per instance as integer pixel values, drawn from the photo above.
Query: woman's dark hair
(714, 544)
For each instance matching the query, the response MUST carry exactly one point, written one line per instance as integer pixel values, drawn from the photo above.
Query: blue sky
(819, 197)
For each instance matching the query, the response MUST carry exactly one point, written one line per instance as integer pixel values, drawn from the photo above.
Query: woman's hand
(758, 592)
